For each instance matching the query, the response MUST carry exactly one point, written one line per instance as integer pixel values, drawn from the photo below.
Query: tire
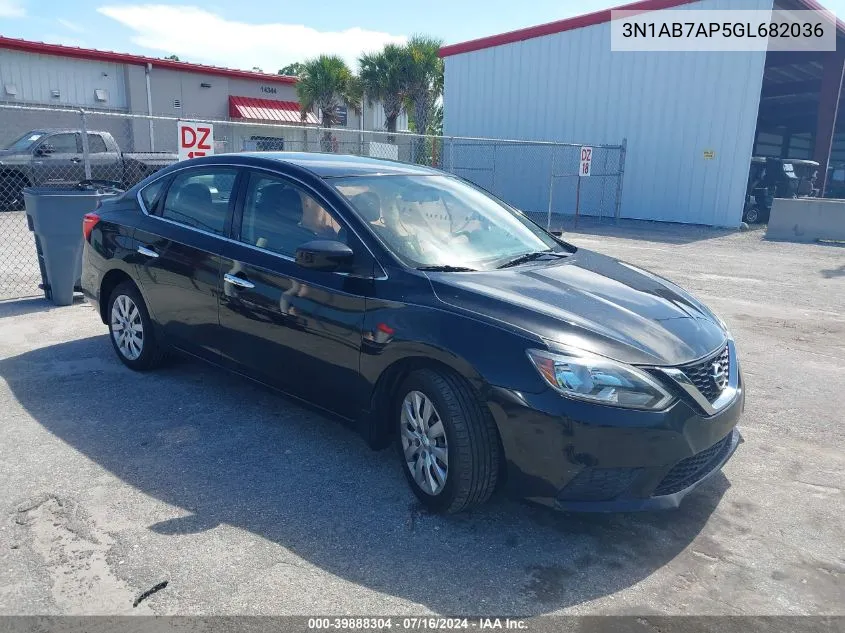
(470, 437)
(142, 351)
(752, 215)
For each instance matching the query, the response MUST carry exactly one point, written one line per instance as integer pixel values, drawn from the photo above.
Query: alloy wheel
(127, 328)
(424, 442)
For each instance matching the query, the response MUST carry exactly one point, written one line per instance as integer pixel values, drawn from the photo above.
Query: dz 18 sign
(195, 139)
(586, 161)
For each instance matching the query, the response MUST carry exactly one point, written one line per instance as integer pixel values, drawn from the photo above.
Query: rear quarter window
(151, 195)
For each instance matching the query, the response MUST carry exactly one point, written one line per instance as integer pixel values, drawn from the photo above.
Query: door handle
(238, 281)
(148, 252)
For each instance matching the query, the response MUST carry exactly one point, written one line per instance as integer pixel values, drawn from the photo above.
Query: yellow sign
(709, 154)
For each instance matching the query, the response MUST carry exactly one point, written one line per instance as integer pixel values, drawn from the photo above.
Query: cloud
(72, 26)
(12, 9)
(195, 34)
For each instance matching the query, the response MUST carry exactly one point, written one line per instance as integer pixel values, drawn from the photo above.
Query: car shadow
(228, 451)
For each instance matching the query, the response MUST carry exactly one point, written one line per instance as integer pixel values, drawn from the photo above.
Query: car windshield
(25, 141)
(441, 222)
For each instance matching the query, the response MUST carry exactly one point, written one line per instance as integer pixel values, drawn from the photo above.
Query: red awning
(268, 110)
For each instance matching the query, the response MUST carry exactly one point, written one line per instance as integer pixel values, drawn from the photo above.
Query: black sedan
(430, 315)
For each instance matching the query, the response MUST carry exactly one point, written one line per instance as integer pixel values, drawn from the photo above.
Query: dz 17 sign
(586, 161)
(195, 139)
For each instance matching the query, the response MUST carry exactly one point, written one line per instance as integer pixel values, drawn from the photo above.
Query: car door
(299, 330)
(57, 161)
(180, 241)
(105, 165)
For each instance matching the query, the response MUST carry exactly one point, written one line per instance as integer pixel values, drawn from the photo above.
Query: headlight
(600, 380)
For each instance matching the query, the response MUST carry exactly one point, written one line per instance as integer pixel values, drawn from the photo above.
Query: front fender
(400, 337)
(483, 353)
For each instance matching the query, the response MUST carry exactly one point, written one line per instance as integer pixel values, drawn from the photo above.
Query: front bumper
(584, 457)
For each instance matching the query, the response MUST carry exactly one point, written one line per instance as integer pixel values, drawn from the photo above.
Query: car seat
(193, 204)
(273, 222)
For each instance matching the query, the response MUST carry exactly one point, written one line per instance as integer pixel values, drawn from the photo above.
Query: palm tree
(434, 145)
(325, 84)
(423, 79)
(435, 125)
(382, 80)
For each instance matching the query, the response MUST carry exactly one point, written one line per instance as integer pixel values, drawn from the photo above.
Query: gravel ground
(113, 483)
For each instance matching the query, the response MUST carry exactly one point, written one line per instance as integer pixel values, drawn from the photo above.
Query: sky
(268, 34)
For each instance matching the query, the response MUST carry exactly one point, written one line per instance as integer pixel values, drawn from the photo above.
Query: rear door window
(200, 198)
(96, 144)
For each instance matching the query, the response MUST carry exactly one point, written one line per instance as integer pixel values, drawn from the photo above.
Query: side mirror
(557, 233)
(44, 149)
(325, 255)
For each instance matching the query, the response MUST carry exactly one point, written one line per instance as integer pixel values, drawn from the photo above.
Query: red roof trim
(814, 5)
(125, 58)
(570, 24)
(268, 110)
(550, 28)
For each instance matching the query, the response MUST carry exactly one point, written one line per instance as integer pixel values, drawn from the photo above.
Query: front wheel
(131, 329)
(448, 442)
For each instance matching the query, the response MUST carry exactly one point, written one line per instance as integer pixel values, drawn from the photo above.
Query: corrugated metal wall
(36, 76)
(671, 107)
(378, 121)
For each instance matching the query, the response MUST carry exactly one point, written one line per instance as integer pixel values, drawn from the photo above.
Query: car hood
(593, 303)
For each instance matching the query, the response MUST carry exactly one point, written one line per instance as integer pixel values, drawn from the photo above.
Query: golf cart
(772, 178)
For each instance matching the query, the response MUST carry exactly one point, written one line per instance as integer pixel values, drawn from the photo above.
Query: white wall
(672, 107)
(376, 120)
(35, 76)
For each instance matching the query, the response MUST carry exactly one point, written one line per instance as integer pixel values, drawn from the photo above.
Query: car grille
(701, 374)
(598, 484)
(687, 471)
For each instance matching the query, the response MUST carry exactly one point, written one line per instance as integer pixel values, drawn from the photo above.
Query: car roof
(337, 165)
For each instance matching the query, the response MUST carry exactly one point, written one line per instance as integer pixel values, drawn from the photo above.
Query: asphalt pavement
(190, 491)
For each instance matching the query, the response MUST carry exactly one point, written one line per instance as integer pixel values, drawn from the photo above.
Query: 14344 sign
(270, 90)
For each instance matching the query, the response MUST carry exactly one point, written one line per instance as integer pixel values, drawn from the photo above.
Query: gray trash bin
(55, 216)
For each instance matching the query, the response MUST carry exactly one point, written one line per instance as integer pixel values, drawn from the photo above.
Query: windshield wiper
(446, 268)
(529, 257)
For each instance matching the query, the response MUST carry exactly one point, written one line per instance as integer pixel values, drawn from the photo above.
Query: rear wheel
(131, 329)
(448, 442)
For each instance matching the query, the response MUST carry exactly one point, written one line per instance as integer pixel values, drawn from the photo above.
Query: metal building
(691, 119)
(40, 74)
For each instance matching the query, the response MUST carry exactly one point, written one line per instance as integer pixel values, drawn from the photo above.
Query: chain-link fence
(62, 147)
(20, 275)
